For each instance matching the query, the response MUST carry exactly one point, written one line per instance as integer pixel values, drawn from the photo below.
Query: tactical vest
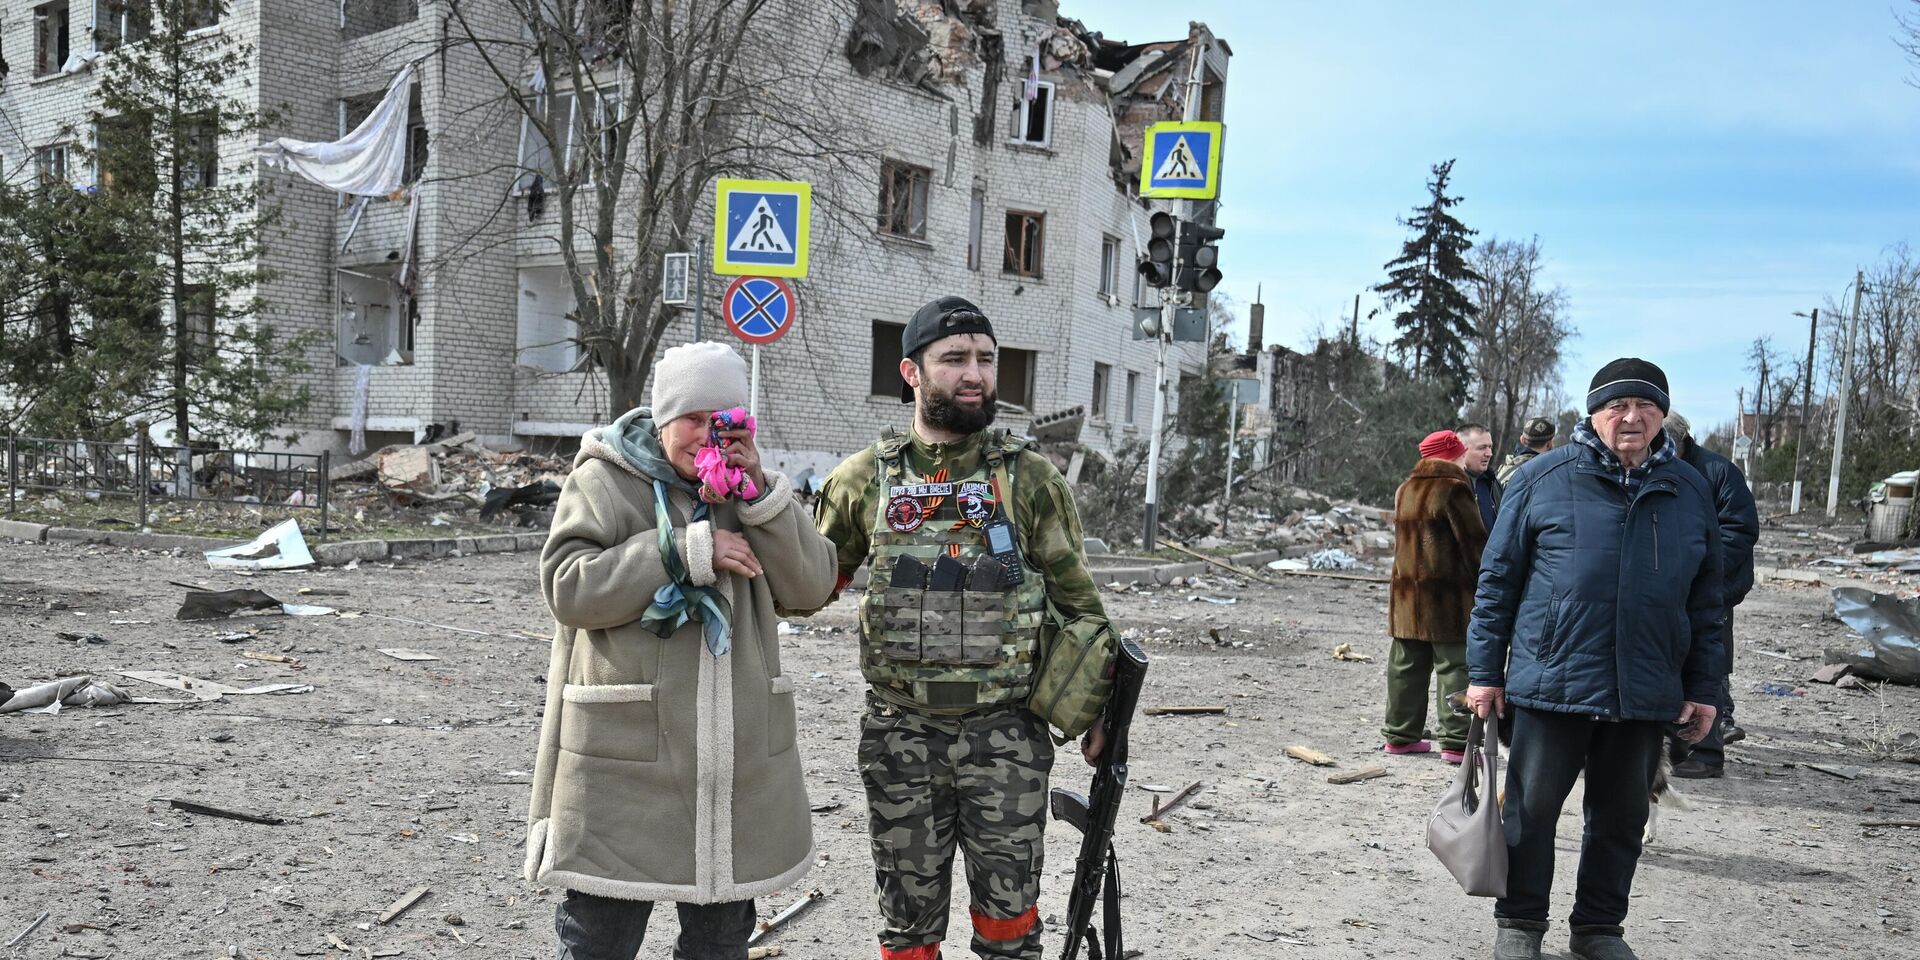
(947, 648)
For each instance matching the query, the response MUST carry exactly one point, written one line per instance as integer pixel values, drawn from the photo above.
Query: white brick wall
(473, 235)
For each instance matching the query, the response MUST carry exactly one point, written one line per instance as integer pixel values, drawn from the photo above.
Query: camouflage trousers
(978, 781)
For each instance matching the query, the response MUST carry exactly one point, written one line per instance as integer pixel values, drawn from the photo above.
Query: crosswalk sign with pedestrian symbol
(1181, 160)
(760, 227)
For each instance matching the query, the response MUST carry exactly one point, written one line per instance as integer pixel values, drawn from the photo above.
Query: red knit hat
(1442, 445)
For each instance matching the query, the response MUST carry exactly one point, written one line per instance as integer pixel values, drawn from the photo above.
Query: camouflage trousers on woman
(978, 781)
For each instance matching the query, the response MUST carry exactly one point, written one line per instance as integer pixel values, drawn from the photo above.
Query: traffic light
(1199, 269)
(1158, 267)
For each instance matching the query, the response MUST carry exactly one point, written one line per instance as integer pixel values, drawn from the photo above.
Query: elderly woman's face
(681, 438)
(1628, 425)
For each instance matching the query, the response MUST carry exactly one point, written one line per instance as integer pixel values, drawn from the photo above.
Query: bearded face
(942, 409)
(955, 383)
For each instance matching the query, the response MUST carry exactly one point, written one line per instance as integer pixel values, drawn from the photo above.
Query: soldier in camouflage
(970, 536)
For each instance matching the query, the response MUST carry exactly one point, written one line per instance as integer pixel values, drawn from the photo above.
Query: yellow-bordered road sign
(760, 227)
(1181, 160)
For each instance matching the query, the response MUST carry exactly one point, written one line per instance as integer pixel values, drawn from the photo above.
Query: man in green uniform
(970, 537)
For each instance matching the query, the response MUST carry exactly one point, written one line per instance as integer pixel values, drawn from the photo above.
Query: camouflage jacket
(1049, 525)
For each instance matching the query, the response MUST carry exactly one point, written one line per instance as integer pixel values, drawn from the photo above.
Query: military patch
(920, 490)
(976, 502)
(905, 514)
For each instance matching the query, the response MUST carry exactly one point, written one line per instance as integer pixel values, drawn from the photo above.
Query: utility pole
(699, 267)
(1233, 414)
(1740, 429)
(1149, 538)
(1806, 409)
(1845, 389)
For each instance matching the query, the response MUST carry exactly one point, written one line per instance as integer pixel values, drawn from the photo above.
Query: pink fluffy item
(718, 480)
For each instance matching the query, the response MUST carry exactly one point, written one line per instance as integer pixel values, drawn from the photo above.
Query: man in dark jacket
(1479, 467)
(1598, 620)
(1739, 530)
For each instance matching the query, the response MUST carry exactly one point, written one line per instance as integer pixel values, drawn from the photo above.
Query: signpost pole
(699, 266)
(753, 385)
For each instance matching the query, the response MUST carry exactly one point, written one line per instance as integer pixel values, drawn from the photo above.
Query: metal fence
(142, 473)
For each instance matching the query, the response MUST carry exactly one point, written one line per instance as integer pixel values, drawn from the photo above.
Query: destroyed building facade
(1002, 155)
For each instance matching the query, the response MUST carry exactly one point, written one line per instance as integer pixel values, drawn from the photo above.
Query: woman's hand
(732, 552)
(744, 455)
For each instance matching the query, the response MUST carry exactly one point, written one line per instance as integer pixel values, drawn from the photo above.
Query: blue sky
(1695, 172)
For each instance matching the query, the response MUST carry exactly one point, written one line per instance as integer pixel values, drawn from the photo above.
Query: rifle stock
(1097, 867)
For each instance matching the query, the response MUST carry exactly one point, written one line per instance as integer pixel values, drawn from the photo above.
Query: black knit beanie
(1628, 377)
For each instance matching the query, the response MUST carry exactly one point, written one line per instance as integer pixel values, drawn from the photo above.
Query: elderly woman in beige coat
(667, 767)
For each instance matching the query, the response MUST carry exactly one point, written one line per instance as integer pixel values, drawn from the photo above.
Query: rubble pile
(450, 477)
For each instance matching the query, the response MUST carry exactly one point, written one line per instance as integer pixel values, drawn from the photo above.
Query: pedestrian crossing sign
(760, 227)
(1182, 161)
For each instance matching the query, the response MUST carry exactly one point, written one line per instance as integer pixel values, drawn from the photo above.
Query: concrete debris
(455, 477)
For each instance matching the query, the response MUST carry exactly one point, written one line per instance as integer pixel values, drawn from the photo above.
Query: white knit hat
(698, 376)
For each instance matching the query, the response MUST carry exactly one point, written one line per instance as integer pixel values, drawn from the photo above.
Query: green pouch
(1075, 679)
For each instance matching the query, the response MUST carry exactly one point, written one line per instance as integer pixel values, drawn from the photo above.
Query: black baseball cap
(945, 317)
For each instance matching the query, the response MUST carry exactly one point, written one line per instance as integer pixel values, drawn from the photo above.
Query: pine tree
(1425, 279)
(79, 329)
(164, 107)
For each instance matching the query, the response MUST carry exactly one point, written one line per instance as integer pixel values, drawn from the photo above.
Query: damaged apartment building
(992, 153)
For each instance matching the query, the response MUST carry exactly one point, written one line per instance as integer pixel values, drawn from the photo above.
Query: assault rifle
(1096, 875)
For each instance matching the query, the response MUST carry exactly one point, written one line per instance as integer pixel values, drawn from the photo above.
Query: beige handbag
(1465, 830)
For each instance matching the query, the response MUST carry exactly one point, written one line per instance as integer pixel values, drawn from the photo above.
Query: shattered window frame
(1102, 386)
(1023, 118)
(1016, 375)
(904, 195)
(361, 18)
(201, 14)
(976, 227)
(52, 37)
(117, 23)
(200, 166)
(51, 163)
(1025, 251)
(1109, 264)
(884, 374)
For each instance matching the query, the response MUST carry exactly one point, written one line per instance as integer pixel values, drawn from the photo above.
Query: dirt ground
(392, 775)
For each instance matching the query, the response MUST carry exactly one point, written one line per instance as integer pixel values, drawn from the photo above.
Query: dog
(1660, 793)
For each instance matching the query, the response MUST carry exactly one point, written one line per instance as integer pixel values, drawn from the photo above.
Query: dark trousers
(1550, 751)
(605, 928)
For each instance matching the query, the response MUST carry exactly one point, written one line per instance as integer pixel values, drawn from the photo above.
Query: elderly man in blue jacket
(1598, 622)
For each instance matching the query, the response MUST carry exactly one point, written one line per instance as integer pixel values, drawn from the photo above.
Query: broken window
(356, 109)
(1102, 379)
(1109, 265)
(200, 14)
(903, 199)
(1026, 233)
(1016, 377)
(375, 318)
(358, 18)
(597, 120)
(1133, 390)
(50, 163)
(52, 37)
(976, 215)
(549, 325)
(1033, 117)
(121, 21)
(124, 154)
(886, 381)
(200, 159)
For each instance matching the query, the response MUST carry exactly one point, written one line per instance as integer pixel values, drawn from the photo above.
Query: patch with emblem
(905, 514)
(975, 501)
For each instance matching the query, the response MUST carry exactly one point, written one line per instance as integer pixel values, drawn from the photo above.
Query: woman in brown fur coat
(1438, 536)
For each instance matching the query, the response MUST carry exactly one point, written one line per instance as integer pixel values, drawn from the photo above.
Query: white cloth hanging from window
(370, 161)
